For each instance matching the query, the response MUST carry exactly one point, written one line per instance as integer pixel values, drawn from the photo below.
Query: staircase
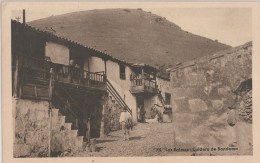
(69, 132)
(65, 129)
(63, 137)
(64, 109)
(73, 106)
(112, 92)
(64, 97)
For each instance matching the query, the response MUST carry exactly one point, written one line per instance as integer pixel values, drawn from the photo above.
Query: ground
(146, 139)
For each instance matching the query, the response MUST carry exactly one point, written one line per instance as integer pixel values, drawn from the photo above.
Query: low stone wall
(31, 128)
(31, 131)
(204, 102)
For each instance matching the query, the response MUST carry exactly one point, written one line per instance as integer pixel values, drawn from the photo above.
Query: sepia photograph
(130, 81)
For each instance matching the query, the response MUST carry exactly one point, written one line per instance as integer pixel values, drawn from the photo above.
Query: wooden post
(50, 129)
(16, 78)
(50, 108)
(88, 64)
(88, 130)
(142, 72)
(142, 81)
(88, 78)
(51, 82)
(102, 127)
(70, 73)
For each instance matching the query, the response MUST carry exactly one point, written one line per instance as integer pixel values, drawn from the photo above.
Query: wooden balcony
(143, 86)
(79, 78)
(31, 78)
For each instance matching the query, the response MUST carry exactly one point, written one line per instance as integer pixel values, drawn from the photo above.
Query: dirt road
(145, 140)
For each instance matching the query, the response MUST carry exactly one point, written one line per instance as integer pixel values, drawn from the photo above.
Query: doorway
(140, 109)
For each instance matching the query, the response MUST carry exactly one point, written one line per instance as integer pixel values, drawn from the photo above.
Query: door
(140, 108)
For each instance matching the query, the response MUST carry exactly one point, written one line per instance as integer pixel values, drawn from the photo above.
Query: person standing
(126, 122)
(142, 114)
(138, 114)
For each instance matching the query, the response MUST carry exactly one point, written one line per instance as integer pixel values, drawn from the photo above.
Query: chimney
(24, 16)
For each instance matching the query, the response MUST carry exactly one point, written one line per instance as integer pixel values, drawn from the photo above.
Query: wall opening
(122, 71)
(167, 98)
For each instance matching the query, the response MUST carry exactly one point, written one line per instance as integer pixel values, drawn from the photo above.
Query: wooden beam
(51, 83)
(88, 64)
(16, 78)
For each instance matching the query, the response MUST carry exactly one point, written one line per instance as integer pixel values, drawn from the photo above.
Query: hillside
(132, 35)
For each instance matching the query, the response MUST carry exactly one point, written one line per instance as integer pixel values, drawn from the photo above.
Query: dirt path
(145, 140)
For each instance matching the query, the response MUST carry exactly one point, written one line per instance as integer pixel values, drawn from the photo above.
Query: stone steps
(55, 112)
(79, 141)
(64, 137)
(67, 126)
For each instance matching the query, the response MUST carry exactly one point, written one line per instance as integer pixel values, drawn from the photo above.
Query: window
(122, 71)
(167, 98)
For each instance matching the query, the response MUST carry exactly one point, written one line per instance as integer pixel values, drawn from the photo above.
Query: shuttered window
(122, 71)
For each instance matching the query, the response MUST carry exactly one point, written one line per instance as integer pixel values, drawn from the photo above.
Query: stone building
(65, 93)
(212, 101)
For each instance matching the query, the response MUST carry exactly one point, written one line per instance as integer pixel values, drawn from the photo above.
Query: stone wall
(31, 128)
(112, 115)
(31, 131)
(204, 101)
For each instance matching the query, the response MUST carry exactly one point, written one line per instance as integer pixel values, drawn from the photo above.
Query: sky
(231, 26)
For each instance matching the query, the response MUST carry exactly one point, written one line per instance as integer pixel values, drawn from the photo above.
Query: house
(85, 87)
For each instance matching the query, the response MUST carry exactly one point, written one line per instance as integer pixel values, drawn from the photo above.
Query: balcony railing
(76, 76)
(143, 85)
(32, 77)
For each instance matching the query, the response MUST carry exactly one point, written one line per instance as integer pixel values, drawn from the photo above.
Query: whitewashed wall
(122, 86)
(96, 64)
(58, 53)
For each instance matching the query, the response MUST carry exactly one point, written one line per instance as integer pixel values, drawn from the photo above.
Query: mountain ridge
(133, 35)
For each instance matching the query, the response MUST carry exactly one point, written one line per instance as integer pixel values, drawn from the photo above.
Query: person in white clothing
(126, 122)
